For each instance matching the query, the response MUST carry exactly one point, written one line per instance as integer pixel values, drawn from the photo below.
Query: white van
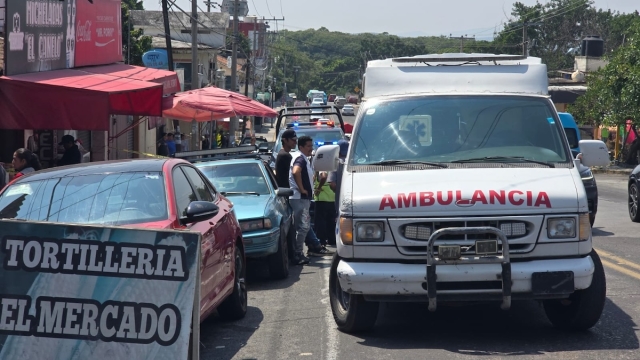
(459, 185)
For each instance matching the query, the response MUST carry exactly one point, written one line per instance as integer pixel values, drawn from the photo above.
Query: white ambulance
(459, 185)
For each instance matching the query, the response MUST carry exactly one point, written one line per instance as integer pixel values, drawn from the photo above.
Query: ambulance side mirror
(326, 158)
(594, 153)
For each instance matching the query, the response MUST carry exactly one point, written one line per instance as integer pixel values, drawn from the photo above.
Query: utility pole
(462, 39)
(233, 124)
(296, 69)
(195, 78)
(525, 40)
(254, 54)
(167, 33)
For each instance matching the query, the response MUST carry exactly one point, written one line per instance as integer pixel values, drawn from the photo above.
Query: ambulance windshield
(460, 129)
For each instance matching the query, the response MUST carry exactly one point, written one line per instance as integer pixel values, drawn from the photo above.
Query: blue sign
(156, 59)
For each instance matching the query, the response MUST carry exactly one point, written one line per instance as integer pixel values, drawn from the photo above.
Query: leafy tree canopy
(613, 93)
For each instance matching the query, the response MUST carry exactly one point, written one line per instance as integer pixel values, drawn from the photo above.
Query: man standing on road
(283, 160)
(300, 180)
(283, 169)
(72, 153)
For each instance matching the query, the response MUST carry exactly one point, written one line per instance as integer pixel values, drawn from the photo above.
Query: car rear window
(108, 199)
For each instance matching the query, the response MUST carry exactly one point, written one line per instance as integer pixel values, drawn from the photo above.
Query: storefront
(63, 76)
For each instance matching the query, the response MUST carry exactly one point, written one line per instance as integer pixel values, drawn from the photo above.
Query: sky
(399, 17)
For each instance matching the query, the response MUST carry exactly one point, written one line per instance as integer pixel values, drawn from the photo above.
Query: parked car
(332, 97)
(348, 110)
(339, 102)
(261, 207)
(352, 99)
(634, 192)
(572, 131)
(148, 193)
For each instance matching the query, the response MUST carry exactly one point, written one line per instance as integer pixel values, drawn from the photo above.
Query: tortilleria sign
(88, 292)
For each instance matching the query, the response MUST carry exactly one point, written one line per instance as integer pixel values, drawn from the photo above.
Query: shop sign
(98, 32)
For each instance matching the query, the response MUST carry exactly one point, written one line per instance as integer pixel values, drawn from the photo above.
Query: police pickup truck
(460, 185)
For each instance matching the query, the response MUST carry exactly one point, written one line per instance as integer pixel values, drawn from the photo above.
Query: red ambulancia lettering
(512, 198)
(387, 200)
(478, 197)
(426, 198)
(408, 200)
(429, 198)
(543, 199)
(498, 197)
(441, 201)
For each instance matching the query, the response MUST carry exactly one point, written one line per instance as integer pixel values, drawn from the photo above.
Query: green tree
(244, 49)
(613, 93)
(139, 42)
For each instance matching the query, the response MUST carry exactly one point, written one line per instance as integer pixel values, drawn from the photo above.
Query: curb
(612, 171)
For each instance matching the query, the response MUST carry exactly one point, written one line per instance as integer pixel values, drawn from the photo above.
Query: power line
(267, 2)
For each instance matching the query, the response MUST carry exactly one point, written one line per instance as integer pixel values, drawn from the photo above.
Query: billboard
(98, 32)
(37, 36)
(89, 292)
(45, 35)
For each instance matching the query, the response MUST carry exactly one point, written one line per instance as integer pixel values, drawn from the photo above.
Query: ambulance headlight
(561, 228)
(370, 231)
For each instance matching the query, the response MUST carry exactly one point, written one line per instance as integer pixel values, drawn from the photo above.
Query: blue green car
(260, 206)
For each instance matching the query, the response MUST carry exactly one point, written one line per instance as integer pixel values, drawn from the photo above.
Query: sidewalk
(612, 169)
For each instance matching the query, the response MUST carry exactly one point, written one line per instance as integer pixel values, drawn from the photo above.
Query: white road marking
(329, 323)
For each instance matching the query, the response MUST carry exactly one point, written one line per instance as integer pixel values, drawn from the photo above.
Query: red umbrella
(212, 103)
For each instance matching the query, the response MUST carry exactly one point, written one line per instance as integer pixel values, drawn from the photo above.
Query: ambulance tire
(583, 308)
(351, 312)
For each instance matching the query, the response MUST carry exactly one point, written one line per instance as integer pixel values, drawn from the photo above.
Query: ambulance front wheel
(583, 308)
(351, 312)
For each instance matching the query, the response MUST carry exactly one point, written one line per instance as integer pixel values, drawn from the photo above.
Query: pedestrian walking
(25, 162)
(72, 154)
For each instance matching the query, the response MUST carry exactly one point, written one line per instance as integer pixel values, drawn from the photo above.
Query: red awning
(82, 98)
(168, 79)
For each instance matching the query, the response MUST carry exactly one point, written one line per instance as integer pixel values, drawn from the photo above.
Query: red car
(352, 99)
(147, 193)
(331, 98)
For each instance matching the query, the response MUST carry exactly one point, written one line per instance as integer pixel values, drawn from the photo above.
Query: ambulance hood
(463, 192)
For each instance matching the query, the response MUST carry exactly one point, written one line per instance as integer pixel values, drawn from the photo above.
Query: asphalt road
(291, 319)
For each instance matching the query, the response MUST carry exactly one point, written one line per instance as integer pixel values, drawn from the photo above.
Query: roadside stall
(213, 105)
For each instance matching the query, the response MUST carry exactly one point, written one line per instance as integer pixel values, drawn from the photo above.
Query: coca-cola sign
(98, 32)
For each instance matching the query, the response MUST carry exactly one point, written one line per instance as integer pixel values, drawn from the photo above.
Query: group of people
(26, 161)
(297, 173)
(171, 143)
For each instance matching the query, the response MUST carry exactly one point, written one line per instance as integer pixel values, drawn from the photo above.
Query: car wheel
(234, 307)
(634, 214)
(583, 308)
(279, 262)
(351, 312)
(291, 240)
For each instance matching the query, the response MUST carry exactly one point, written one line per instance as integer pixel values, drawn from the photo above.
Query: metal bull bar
(433, 261)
